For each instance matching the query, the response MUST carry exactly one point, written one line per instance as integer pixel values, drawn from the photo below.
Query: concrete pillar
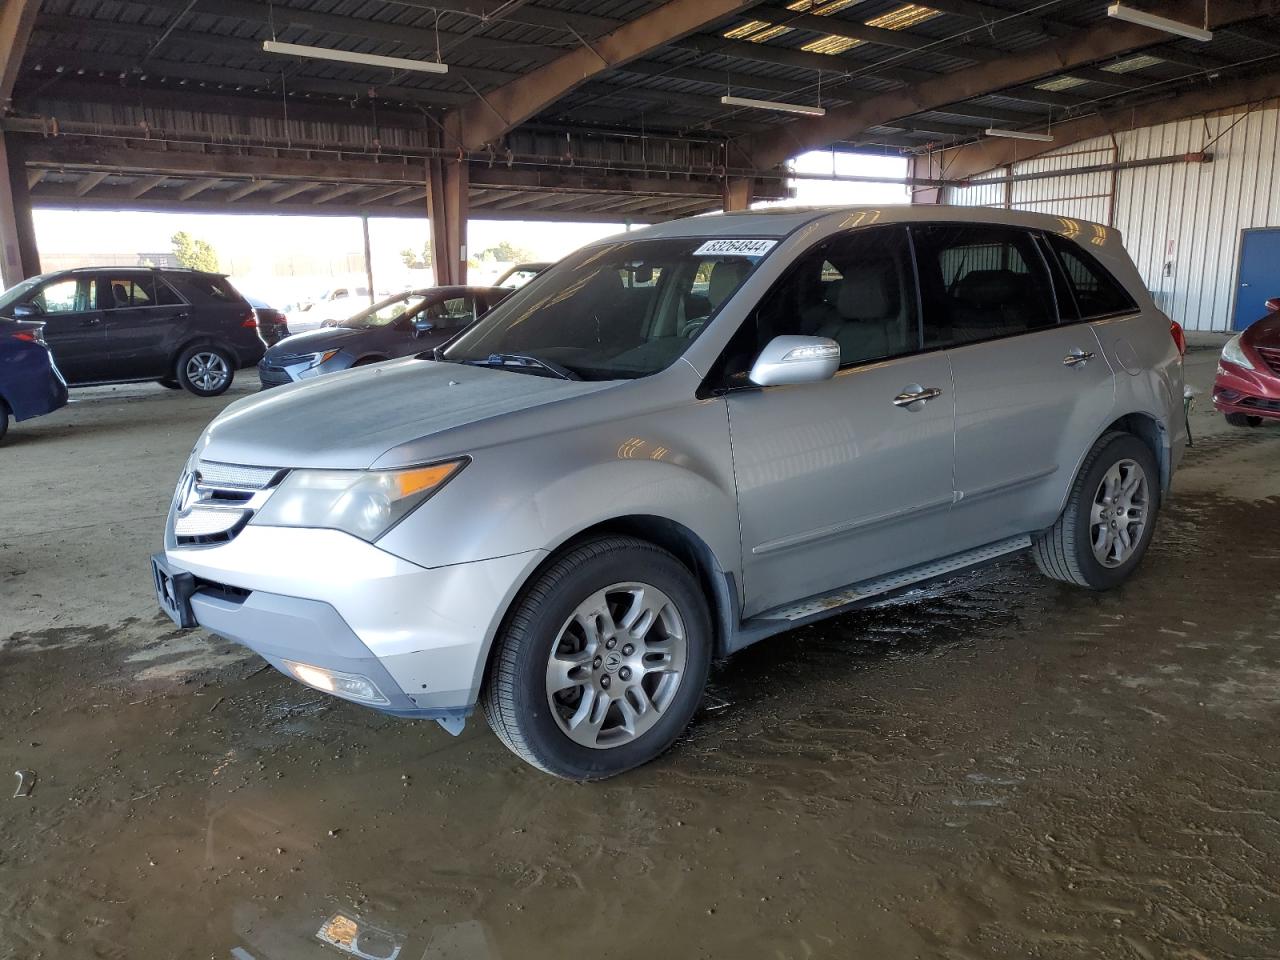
(738, 193)
(447, 184)
(19, 257)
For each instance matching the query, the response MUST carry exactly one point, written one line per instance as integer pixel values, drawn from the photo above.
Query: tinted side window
(204, 287)
(451, 314)
(1097, 293)
(981, 282)
(71, 295)
(856, 288)
(123, 292)
(166, 296)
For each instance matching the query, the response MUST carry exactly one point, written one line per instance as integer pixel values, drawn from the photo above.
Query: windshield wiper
(525, 360)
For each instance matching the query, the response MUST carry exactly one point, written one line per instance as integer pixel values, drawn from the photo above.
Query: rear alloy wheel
(206, 371)
(602, 663)
(1103, 532)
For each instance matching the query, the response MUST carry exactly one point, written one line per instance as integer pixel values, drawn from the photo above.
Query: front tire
(602, 662)
(1103, 532)
(205, 370)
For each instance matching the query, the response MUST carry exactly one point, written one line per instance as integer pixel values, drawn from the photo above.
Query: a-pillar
(447, 182)
(20, 258)
(738, 193)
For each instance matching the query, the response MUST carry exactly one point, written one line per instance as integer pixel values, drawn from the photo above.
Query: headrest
(991, 288)
(867, 292)
(725, 277)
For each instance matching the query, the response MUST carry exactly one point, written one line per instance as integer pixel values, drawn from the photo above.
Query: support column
(447, 184)
(738, 193)
(921, 166)
(19, 257)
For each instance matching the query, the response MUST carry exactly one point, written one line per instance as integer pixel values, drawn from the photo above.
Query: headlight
(363, 503)
(319, 358)
(1232, 353)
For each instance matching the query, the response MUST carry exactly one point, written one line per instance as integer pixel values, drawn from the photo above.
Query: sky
(253, 246)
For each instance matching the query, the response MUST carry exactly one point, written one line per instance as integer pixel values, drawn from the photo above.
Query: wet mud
(1001, 767)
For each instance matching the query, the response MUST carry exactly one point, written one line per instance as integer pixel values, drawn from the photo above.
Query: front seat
(866, 322)
(118, 295)
(725, 278)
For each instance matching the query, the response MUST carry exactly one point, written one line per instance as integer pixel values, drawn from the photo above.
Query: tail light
(26, 336)
(1274, 304)
(1179, 338)
(249, 320)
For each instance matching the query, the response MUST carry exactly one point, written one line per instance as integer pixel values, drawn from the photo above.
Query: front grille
(288, 359)
(1271, 357)
(273, 378)
(214, 501)
(1259, 403)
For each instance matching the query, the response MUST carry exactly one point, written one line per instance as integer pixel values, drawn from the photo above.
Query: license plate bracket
(173, 591)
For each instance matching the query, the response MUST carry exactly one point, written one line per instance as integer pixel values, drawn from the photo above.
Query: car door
(73, 327)
(842, 480)
(140, 311)
(1030, 392)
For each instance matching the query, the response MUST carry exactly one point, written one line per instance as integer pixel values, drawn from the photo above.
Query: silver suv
(673, 444)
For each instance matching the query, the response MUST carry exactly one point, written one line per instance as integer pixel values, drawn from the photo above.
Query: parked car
(272, 324)
(519, 274)
(30, 384)
(335, 304)
(183, 328)
(403, 324)
(1247, 388)
(612, 479)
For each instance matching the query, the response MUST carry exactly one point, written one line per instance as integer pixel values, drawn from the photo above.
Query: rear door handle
(911, 396)
(1077, 357)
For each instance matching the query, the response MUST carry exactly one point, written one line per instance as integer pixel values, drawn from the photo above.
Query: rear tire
(602, 661)
(1103, 532)
(206, 370)
(1243, 420)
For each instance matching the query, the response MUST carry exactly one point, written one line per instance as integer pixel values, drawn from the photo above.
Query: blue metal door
(1259, 275)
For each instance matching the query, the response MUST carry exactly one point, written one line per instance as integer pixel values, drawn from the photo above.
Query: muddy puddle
(1007, 768)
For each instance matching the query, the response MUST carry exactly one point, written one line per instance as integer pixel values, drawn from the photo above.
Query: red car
(1247, 389)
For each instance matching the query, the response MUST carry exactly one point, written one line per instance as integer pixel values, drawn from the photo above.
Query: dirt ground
(1007, 768)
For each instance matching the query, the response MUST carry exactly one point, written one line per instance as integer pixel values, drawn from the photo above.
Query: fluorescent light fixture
(774, 105)
(1144, 19)
(1018, 135)
(348, 56)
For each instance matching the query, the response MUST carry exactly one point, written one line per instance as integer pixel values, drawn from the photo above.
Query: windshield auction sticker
(735, 248)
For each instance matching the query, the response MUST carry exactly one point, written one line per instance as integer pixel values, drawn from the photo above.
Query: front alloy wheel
(601, 662)
(617, 665)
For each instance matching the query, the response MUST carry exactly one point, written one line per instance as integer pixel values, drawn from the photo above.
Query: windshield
(19, 292)
(518, 278)
(621, 311)
(386, 312)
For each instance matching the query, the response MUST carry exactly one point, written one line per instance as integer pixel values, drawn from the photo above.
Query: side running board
(851, 597)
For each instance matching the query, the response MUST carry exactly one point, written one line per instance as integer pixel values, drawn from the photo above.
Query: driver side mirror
(422, 325)
(26, 310)
(790, 360)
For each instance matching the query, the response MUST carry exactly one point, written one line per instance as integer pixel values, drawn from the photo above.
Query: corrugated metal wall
(1181, 223)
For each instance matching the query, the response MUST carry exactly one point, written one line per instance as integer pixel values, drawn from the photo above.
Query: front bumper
(324, 598)
(1255, 393)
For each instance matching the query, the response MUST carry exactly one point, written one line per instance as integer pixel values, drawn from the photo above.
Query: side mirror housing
(423, 325)
(790, 360)
(21, 310)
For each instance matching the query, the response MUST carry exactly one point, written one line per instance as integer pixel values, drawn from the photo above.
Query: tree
(194, 254)
(505, 252)
(417, 261)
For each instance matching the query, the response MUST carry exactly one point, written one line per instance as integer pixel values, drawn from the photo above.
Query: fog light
(350, 685)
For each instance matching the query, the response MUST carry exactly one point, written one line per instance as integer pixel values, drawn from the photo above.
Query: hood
(314, 341)
(1264, 332)
(347, 420)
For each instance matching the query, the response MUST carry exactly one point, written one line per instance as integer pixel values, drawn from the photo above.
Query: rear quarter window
(1097, 293)
(205, 288)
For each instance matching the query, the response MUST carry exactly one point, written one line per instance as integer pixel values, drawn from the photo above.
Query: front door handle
(1076, 357)
(913, 395)
(91, 321)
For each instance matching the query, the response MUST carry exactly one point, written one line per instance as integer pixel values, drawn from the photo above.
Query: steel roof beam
(960, 163)
(802, 59)
(485, 120)
(200, 186)
(766, 150)
(896, 39)
(88, 182)
(17, 19)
